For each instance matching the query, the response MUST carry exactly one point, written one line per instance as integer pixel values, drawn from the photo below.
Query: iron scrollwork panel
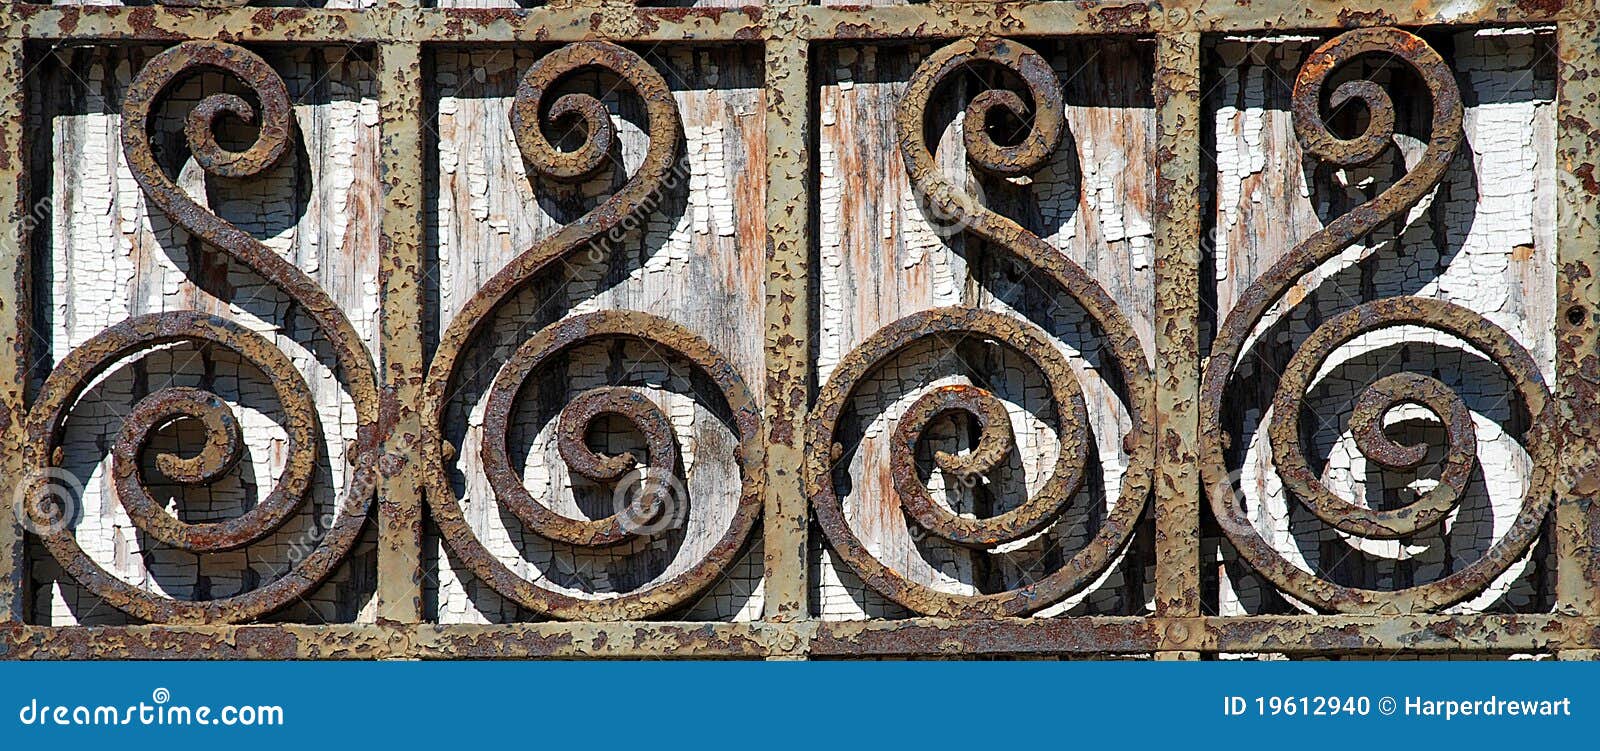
(46, 497)
(651, 486)
(565, 136)
(974, 397)
(1347, 143)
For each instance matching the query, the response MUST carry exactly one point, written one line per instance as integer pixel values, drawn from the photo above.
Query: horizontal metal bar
(943, 19)
(385, 24)
(1321, 635)
(930, 637)
(918, 637)
(368, 642)
(1253, 15)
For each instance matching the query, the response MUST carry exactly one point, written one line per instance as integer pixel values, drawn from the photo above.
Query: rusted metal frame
(44, 419)
(1295, 635)
(1255, 634)
(1285, 15)
(622, 640)
(1577, 514)
(956, 18)
(401, 351)
(787, 331)
(401, 20)
(271, 642)
(15, 312)
(529, 117)
(626, 640)
(238, 24)
(936, 20)
(942, 637)
(1272, 285)
(388, 23)
(1021, 157)
(925, 637)
(611, 20)
(1388, 635)
(1177, 313)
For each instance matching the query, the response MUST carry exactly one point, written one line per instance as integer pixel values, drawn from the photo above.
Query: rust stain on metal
(1549, 7)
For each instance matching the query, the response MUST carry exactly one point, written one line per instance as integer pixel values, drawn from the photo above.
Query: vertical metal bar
(1577, 528)
(1177, 367)
(14, 315)
(788, 328)
(400, 272)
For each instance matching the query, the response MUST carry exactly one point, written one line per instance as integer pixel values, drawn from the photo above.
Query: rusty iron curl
(1386, 393)
(1047, 113)
(139, 335)
(530, 113)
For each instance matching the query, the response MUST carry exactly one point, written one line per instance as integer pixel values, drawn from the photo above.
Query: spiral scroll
(1388, 392)
(143, 334)
(1047, 505)
(530, 112)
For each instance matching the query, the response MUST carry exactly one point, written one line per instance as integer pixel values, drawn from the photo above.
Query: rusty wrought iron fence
(1143, 422)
